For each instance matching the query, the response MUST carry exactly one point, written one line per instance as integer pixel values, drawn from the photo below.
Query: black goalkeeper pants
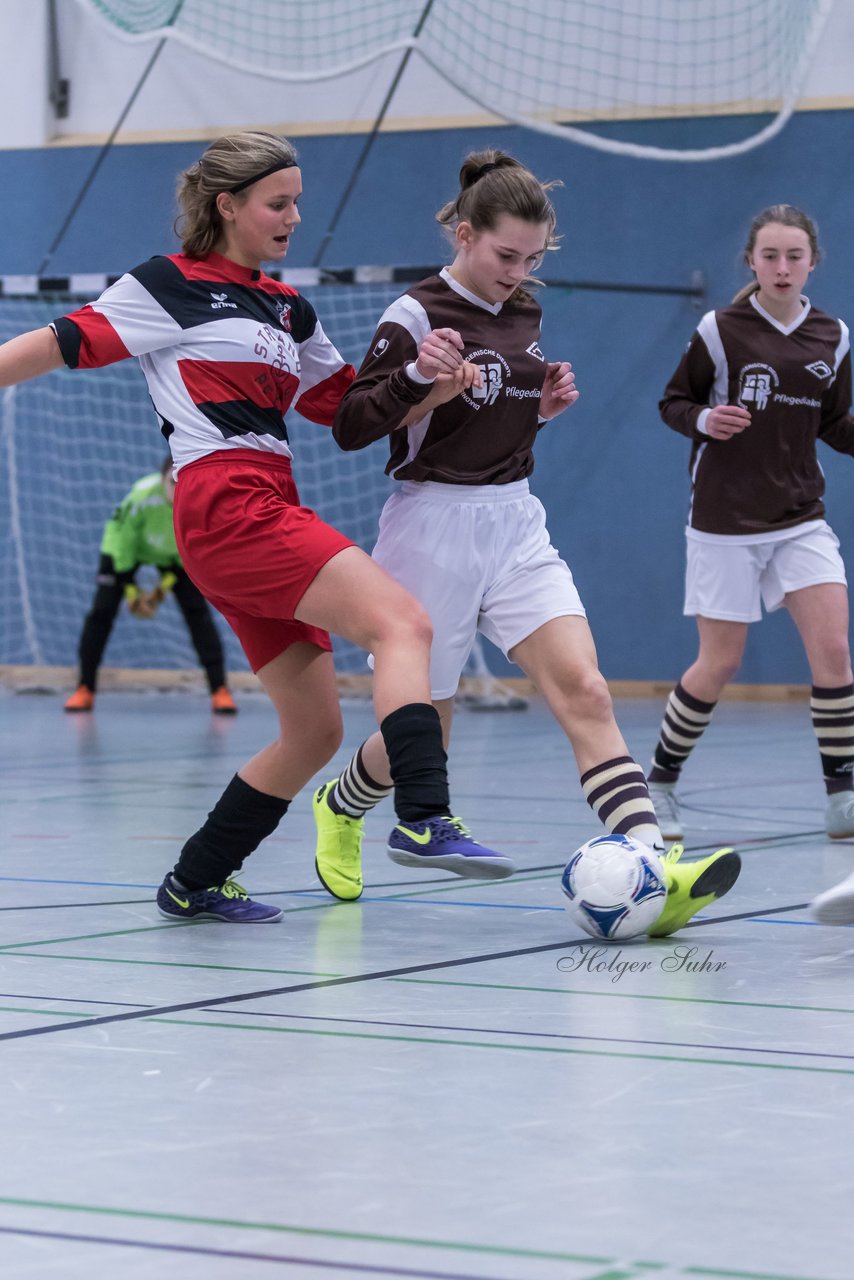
(109, 594)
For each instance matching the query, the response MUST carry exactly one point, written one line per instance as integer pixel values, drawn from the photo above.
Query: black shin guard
(238, 822)
(417, 761)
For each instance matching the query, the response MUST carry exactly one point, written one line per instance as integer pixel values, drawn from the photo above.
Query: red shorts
(251, 549)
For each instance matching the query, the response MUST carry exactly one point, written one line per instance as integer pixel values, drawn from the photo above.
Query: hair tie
(484, 169)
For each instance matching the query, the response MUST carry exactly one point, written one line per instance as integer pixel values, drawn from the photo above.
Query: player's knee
(407, 628)
(580, 693)
(726, 668)
(836, 661)
(321, 739)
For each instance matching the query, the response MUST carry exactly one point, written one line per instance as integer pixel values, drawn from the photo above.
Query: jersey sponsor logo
(819, 368)
(534, 350)
(495, 374)
(220, 301)
(756, 384)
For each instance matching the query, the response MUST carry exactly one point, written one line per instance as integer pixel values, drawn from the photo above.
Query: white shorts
(478, 558)
(728, 582)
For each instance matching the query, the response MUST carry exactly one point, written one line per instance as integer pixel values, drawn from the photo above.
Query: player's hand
(559, 389)
(726, 421)
(141, 606)
(449, 385)
(440, 352)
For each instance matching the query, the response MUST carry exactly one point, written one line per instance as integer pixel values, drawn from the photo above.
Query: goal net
(73, 443)
(581, 71)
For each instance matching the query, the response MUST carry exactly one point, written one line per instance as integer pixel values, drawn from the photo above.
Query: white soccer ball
(615, 887)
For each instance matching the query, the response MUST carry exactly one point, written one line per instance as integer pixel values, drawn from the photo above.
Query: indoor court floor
(443, 1080)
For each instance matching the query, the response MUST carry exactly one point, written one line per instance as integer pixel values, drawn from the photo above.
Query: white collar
(798, 320)
(493, 308)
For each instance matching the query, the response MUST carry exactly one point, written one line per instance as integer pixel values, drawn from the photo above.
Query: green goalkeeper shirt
(141, 531)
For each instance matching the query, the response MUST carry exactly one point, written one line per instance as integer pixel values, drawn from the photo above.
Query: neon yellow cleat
(693, 885)
(338, 855)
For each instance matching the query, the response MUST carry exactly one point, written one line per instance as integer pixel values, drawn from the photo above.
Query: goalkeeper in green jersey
(140, 532)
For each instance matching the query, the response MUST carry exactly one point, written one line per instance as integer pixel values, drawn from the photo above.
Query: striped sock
(685, 721)
(356, 791)
(832, 712)
(617, 793)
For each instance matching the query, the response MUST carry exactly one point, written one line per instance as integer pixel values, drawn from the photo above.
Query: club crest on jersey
(220, 301)
(381, 347)
(819, 368)
(283, 311)
(756, 384)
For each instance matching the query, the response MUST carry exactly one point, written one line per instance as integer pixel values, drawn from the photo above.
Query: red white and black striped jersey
(795, 381)
(484, 435)
(225, 351)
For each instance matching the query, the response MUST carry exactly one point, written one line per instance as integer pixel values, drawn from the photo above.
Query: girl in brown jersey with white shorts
(464, 534)
(761, 381)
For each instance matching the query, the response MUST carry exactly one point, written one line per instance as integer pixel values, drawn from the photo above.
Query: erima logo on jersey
(819, 368)
(220, 300)
(755, 385)
(534, 350)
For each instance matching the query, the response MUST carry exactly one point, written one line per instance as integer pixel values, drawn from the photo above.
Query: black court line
(353, 1268)
(539, 1035)
(350, 980)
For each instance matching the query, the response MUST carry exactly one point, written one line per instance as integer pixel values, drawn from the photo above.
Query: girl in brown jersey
(463, 532)
(760, 382)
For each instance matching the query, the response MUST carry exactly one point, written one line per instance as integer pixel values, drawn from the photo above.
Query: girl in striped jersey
(465, 535)
(225, 351)
(760, 382)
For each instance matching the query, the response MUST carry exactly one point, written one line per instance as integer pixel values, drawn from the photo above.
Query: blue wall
(613, 478)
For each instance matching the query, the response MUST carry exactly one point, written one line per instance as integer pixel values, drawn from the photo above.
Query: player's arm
(396, 378)
(836, 427)
(685, 404)
(28, 356)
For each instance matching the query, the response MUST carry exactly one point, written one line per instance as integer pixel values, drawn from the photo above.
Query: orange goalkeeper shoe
(82, 699)
(222, 703)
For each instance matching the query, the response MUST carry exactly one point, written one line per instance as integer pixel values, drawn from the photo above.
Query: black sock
(417, 761)
(238, 822)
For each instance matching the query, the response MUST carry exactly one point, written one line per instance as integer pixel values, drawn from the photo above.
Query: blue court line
(104, 884)
(353, 1268)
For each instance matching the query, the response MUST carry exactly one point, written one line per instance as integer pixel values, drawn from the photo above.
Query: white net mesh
(577, 70)
(72, 446)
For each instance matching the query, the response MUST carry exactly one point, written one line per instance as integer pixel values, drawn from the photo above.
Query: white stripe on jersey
(708, 331)
(410, 315)
(138, 319)
(842, 349)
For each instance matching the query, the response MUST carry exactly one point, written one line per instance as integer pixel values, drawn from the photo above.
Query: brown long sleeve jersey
(796, 384)
(484, 435)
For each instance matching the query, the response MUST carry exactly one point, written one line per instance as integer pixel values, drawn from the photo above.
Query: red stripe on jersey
(99, 343)
(321, 402)
(216, 382)
(219, 270)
